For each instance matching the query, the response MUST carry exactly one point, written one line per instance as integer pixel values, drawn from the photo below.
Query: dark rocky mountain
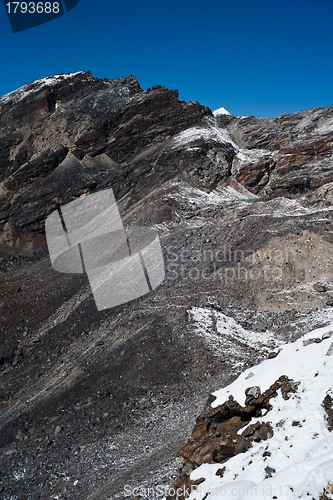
(93, 401)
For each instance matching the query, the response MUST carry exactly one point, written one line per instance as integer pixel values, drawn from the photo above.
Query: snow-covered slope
(297, 461)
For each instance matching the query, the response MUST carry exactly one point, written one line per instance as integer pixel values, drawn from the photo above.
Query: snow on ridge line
(221, 111)
(25, 90)
(299, 455)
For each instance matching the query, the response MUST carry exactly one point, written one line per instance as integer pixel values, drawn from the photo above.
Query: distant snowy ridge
(221, 111)
(297, 461)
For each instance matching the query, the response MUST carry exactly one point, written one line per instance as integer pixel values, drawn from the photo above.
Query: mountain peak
(221, 111)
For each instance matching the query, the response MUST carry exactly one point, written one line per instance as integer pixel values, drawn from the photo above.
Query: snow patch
(286, 207)
(220, 135)
(197, 198)
(246, 156)
(325, 126)
(222, 332)
(206, 133)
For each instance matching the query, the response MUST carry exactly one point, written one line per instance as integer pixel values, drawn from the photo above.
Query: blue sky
(256, 57)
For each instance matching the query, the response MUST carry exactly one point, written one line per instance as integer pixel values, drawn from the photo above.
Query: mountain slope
(117, 392)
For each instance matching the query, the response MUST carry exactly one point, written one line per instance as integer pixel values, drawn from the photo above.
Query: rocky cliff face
(294, 152)
(69, 135)
(243, 208)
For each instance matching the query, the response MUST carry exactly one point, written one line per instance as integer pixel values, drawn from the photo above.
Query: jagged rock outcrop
(68, 135)
(291, 154)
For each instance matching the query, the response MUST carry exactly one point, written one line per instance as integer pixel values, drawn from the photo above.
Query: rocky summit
(97, 404)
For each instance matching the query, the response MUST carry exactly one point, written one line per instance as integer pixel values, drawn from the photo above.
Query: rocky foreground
(95, 404)
(274, 438)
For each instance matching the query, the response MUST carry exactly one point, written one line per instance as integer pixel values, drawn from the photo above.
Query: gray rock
(311, 341)
(269, 471)
(273, 355)
(254, 391)
(330, 350)
(250, 429)
(19, 435)
(320, 288)
(57, 430)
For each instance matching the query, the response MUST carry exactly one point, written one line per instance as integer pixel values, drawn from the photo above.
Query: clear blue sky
(256, 57)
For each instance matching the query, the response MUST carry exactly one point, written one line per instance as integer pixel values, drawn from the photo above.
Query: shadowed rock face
(243, 210)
